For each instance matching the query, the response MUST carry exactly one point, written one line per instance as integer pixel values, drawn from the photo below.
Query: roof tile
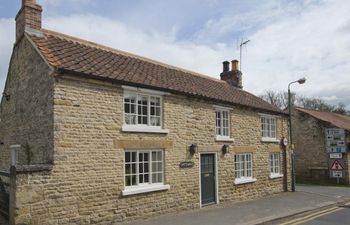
(76, 55)
(337, 120)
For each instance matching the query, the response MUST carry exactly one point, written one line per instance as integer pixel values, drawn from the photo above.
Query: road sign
(335, 155)
(337, 166)
(337, 174)
(335, 140)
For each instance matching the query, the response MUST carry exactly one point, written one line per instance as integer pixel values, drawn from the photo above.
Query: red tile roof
(335, 119)
(73, 55)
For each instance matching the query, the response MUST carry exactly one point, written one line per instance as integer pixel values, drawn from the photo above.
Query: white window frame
(275, 165)
(144, 187)
(137, 92)
(221, 137)
(269, 137)
(244, 178)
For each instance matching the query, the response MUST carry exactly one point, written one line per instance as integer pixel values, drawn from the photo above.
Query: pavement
(306, 198)
(259, 211)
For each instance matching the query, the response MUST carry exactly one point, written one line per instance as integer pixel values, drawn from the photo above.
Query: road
(332, 215)
(336, 214)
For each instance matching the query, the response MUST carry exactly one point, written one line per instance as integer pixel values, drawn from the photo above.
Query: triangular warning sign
(337, 166)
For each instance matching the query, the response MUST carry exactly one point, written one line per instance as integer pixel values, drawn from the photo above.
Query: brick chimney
(28, 18)
(233, 77)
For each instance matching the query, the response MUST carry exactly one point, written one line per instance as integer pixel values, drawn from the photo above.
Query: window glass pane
(133, 180)
(154, 167)
(127, 156)
(218, 123)
(127, 169)
(128, 180)
(142, 105)
(129, 108)
(158, 111)
(159, 178)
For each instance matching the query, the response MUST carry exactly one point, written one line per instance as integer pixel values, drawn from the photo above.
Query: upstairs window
(268, 127)
(222, 126)
(143, 110)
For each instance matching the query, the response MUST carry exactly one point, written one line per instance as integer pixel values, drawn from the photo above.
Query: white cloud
(159, 46)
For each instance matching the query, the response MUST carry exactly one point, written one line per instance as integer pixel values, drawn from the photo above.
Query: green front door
(208, 178)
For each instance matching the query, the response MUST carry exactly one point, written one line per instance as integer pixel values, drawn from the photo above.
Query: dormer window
(142, 110)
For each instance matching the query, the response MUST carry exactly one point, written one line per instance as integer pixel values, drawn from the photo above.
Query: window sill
(268, 139)
(144, 129)
(275, 175)
(224, 138)
(244, 180)
(145, 189)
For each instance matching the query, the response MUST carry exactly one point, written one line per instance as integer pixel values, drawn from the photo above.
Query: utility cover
(336, 165)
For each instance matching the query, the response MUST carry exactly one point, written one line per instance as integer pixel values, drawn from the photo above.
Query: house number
(186, 164)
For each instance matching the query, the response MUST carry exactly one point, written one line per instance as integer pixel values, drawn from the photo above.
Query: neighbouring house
(322, 142)
(94, 135)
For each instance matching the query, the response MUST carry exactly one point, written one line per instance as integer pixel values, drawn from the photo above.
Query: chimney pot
(226, 65)
(233, 77)
(234, 64)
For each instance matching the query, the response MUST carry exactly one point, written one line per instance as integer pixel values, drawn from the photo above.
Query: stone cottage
(95, 135)
(321, 139)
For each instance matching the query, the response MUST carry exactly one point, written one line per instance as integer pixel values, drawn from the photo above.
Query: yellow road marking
(314, 217)
(307, 216)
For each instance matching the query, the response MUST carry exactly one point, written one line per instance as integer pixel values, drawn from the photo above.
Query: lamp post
(300, 81)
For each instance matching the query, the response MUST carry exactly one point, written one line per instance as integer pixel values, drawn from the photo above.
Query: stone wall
(4, 194)
(86, 181)
(27, 115)
(310, 147)
(311, 162)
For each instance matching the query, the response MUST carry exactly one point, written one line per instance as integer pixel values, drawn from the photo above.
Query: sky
(288, 39)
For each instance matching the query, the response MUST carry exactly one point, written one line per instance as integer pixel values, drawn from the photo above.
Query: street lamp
(300, 81)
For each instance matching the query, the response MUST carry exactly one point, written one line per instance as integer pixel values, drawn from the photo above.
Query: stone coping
(33, 168)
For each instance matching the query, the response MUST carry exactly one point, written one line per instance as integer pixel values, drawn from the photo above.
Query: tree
(280, 100)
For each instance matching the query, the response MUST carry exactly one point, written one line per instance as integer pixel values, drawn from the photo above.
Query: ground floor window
(244, 168)
(275, 164)
(143, 167)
